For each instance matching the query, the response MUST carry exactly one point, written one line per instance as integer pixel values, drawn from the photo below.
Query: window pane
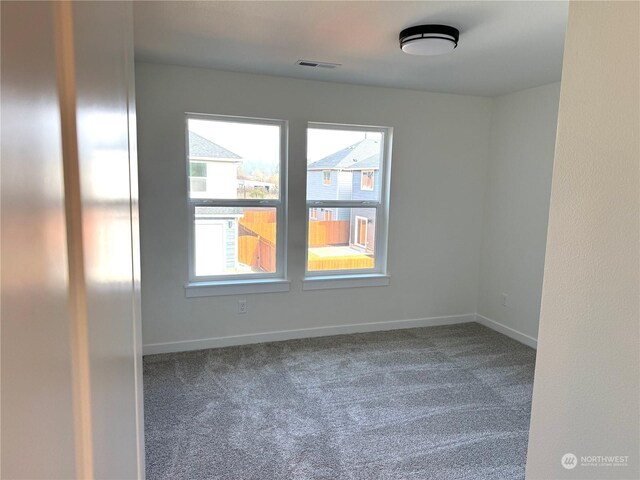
(234, 240)
(238, 160)
(198, 184)
(197, 169)
(337, 160)
(341, 238)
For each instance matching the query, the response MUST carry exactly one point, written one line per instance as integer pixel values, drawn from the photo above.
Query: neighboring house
(216, 240)
(349, 174)
(366, 186)
(213, 169)
(213, 173)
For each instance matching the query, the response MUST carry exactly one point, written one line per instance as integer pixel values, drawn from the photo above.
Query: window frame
(326, 182)
(280, 205)
(359, 219)
(324, 278)
(194, 177)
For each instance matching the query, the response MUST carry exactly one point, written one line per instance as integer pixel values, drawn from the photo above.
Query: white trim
(508, 331)
(135, 248)
(343, 204)
(188, 345)
(345, 281)
(279, 204)
(342, 126)
(214, 159)
(215, 289)
(238, 202)
(381, 206)
(357, 232)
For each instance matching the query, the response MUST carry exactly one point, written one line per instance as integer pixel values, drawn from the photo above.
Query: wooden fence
(248, 250)
(259, 216)
(266, 256)
(257, 243)
(257, 252)
(330, 232)
(339, 263)
(262, 230)
(257, 240)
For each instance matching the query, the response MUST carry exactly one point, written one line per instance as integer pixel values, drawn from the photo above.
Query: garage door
(210, 251)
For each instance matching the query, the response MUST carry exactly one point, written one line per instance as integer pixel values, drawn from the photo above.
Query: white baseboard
(187, 345)
(508, 331)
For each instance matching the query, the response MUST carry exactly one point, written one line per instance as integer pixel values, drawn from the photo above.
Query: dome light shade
(429, 39)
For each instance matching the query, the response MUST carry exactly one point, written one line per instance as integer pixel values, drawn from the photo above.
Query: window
(236, 201)
(366, 180)
(326, 177)
(352, 239)
(198, 177)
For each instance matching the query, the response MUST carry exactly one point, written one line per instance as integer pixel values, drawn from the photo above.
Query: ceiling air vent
(312, 64)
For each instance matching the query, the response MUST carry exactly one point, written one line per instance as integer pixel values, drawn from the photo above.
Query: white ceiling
(504, 46)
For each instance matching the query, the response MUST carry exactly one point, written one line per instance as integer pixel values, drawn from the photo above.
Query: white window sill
(214, 289)
(345, 281)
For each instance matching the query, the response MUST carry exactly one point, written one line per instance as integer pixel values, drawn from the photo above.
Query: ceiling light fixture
(429, 39)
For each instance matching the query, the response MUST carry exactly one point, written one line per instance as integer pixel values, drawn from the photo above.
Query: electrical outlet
(504, 296)
(242, 306)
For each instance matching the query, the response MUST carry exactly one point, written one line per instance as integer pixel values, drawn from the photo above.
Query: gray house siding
(340, 189)
(336, 214)
(340, 214)
(315, 188)
(369, 214)
(346, 167)
(366, 195)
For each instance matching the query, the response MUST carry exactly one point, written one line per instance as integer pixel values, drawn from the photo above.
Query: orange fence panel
(339, 262)
(264, 230)
(267, 258)
(259, 216)
(257, 241)
(261, 223)
(330, 232)
(248, 250)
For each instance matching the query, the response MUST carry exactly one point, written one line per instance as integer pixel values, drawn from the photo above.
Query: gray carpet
(433, 403)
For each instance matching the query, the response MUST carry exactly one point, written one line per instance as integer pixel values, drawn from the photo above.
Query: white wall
(71, 350)
(105, 110)
(586, 397)
(516, 206)
(37, 394)
(438, 180)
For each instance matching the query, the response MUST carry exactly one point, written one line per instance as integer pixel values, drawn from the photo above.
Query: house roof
(351, 158)
(205, 148)
(369, 163)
